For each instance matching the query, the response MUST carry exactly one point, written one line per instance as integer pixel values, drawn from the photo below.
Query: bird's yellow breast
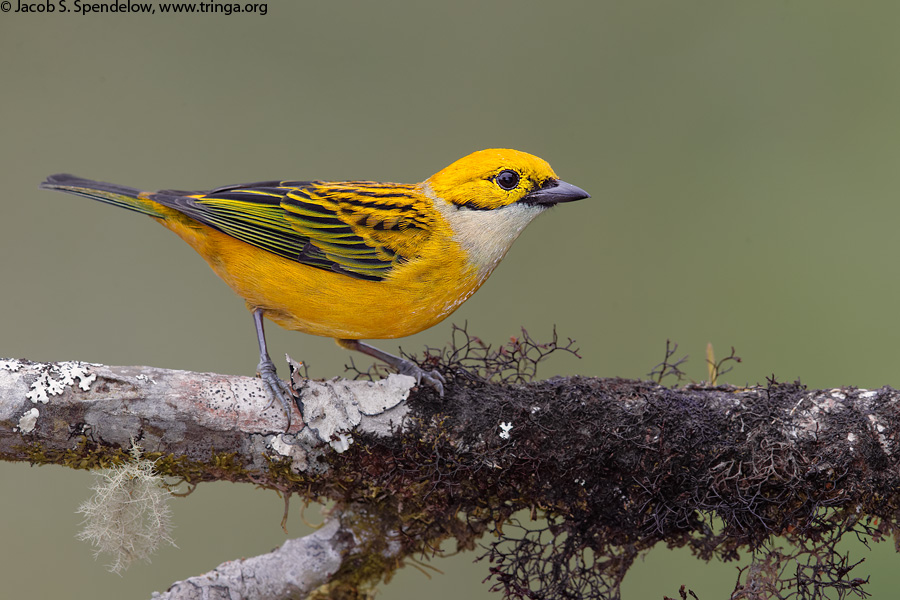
(414, 296)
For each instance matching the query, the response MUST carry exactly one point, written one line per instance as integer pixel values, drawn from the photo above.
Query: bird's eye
(507, 179)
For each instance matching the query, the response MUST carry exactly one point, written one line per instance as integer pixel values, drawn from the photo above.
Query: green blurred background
(743, 161)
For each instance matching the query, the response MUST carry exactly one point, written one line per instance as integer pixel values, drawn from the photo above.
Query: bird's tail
(110, 193)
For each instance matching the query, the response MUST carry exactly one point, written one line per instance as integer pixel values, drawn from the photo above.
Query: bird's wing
(362, 229)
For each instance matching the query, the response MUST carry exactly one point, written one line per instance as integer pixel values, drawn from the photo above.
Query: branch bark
(614, 466)
(295, 569)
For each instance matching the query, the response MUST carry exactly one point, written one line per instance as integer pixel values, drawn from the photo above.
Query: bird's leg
(403, 366)
(266, 371)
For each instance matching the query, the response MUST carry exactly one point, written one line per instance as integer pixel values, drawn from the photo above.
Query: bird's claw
(279, 389)
(431, 378)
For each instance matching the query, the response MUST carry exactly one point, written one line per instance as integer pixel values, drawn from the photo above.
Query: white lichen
(128, 516)
(342, 443)
(332, 409)
(283, 447)
(28, 420)
(280, 446)
(69, 371)
(56, 377)
(879, 431)
(10, 364)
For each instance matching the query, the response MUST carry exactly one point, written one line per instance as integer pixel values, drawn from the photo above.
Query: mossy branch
(613, 466)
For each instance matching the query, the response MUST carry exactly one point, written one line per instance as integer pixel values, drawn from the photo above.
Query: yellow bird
(354, 259)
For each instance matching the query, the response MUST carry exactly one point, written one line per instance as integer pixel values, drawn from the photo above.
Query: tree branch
(295, 569)
(43, 406)
(614, 466)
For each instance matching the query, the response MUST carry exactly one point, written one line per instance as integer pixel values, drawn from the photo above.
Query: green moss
(90, 455)
(82, 456)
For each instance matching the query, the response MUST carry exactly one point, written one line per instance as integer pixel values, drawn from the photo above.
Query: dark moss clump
(615, 467)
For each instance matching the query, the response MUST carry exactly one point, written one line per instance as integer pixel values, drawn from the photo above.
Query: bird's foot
(403, 366)
(280, 390)
(431, 378)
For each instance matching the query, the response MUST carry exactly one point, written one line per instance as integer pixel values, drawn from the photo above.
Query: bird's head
(496, 178)
(490, 196)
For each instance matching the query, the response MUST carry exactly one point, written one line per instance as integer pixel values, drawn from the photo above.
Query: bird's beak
(554, 192)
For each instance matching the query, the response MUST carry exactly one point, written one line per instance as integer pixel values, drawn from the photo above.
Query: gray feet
(403, 366)
(430, 378)
(279, 389)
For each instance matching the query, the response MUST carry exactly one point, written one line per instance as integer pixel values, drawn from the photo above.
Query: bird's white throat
(486, 235)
